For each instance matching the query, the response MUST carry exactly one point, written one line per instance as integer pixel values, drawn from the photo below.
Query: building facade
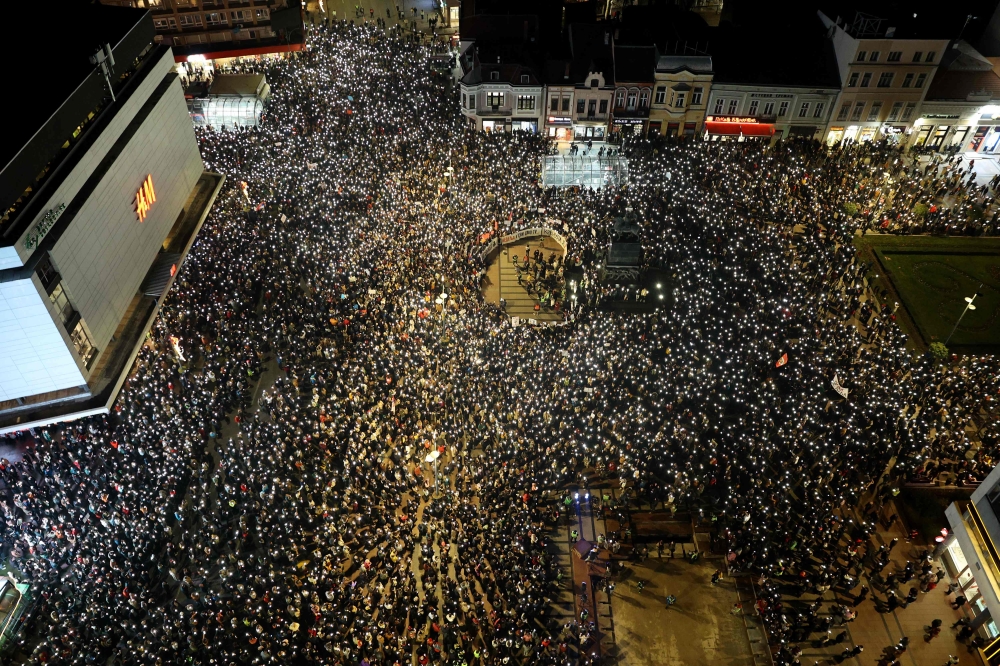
(961, 111)
(970, 554)
(88, 252)
(884, 78)
(634, 77)
(682, 85)
(768, 111)
(499, 98)
(224, 28)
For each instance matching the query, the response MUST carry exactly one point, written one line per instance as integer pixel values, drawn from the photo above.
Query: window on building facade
(644, 98)
(595, 83)
(908, 111)
(565, 104)
(918, 56)
(920, 80)
(524, 78)
(844, 110)
(862, 56)
(696, 97)
(494, 76)
(580, 104)
(190, 20)
(661, 94)
(633, 99)
(852, 82)
(804, 110)
(873, 57)
(734, 106)
(526, 102)
(554, 106)
(620, 99)
(679, 103)
(84, 347)
(885, 79)
(719, 104)
(240, 14)
(604, 106)
(215, 18)
(930, 57)
(472, 101)
(768, 108)
(866, 79)
(894, 112)
(894, 56)
(874, 112)
(591, 108)
(494, 99)
(65, 309)
(262, 14)
(859, 108)
(908, 80)
(752, 111)
(783, 109)
(818, 112)
(464, 101)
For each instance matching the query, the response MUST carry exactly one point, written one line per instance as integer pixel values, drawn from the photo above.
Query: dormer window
(524, 78)
(593, 83)
(494, 76)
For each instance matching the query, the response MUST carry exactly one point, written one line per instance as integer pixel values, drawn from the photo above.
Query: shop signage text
(743, 120)
(38, 232)
(628, 121)
(145, 196)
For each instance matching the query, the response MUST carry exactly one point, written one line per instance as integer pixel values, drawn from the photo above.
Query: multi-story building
(634, 78)
(214, 29)
(759, 90)
(885, 66)
(970, 554)
(579, 89)
(682, 87)
(961, 110)
(102, 192)
(498, 97)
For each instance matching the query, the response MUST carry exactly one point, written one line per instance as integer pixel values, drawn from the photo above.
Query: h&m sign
(145, 196)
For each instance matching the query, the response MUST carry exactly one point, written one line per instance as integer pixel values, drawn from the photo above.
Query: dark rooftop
(70, 36)
(634, 64)
(742, 55)
(914, 19)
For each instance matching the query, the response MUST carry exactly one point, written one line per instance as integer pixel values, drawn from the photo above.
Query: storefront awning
(735, 129)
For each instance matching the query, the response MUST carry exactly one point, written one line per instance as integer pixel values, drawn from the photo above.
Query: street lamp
(969, 305)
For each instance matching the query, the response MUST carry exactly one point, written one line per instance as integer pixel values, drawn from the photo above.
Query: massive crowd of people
(332, 451)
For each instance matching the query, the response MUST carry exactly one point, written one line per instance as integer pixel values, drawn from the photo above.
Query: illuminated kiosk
(102, 192)
(591, 170)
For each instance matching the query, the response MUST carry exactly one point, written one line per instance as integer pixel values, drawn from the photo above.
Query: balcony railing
(494, 111)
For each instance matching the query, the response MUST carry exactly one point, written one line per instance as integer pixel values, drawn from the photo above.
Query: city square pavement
(347, 10)
(698, 630)
(877, 630)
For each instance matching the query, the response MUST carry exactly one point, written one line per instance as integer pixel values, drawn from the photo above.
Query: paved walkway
(501, 280)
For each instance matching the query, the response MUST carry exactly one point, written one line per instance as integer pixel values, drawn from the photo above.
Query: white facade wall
(68, 189)
(34, 356)
(106, 252)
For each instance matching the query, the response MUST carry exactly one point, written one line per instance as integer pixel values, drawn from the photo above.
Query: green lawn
(931, 278)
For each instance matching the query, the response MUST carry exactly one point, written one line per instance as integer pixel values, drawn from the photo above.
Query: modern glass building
(102, 191)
